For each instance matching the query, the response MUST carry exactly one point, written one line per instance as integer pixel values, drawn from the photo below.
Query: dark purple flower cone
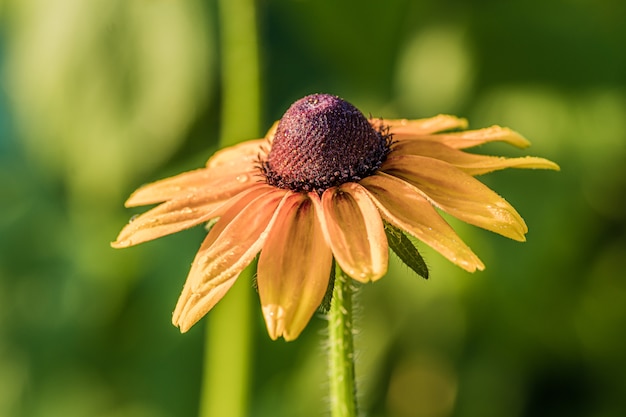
(323, 141)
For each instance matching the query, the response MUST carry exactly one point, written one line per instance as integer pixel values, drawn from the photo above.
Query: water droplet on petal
(187, 210)
(243, 178)
(125, 243)
(132, 219)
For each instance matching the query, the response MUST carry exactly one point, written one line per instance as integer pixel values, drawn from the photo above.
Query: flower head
(327, 183)
(323, 141)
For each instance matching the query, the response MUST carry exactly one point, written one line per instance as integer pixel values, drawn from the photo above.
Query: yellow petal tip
(182, 321)
(552, 165)
(514, 138)
(275, 320)
(120, 244)
(134, 200)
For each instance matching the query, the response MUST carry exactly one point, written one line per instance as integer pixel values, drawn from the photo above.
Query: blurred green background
(98, 97)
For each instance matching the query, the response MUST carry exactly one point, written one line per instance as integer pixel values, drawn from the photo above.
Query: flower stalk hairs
(327, 185)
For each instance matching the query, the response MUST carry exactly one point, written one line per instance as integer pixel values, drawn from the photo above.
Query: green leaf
(406, 250)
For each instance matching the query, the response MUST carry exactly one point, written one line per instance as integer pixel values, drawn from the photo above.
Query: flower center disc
(323, 141)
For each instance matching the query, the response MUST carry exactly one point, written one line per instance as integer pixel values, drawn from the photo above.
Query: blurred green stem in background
(228, 333)
(341, 349)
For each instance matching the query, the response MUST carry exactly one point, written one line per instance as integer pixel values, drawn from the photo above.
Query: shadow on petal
(470, 138)
(181, 213)
(411, 129)
(294, 268)
(469, 163)
(355, 232)
(228, 248)
(458, 194)
(407, 209)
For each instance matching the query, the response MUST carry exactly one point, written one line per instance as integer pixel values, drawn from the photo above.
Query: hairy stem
(341, 349)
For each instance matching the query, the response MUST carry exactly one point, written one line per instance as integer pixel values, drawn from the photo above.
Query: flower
(324, 184)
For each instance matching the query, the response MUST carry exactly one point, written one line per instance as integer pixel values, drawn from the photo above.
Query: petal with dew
(471, 138)
(168, 188)
(219, 182)
(294, 267)
(231, 240)
(406, 208)
(470, 163)
(228, 248)
(240, 157)
(354, 230)
(181, 213)
(458, 194)
(192, 306)
(407, 129)
(236, 162)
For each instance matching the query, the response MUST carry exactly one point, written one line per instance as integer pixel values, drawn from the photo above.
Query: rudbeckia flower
(327, 184)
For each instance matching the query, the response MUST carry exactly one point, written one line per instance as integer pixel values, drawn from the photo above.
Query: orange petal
(222, 183)
(229, 247)
(470, 163)
(181, 213)
(405, 129)
(168, 188)
(192, 306)
(354, 230)
(241, 157)
(458, 193)
(471, 138)
(406, 208)
(294, 268)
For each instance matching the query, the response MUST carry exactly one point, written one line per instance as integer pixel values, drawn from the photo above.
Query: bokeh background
(98, 97)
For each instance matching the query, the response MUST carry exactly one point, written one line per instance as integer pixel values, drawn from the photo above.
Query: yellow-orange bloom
(300, 219)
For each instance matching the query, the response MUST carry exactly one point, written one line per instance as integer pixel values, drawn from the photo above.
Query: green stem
(341, 349)
(226, 371)
(241, 90)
